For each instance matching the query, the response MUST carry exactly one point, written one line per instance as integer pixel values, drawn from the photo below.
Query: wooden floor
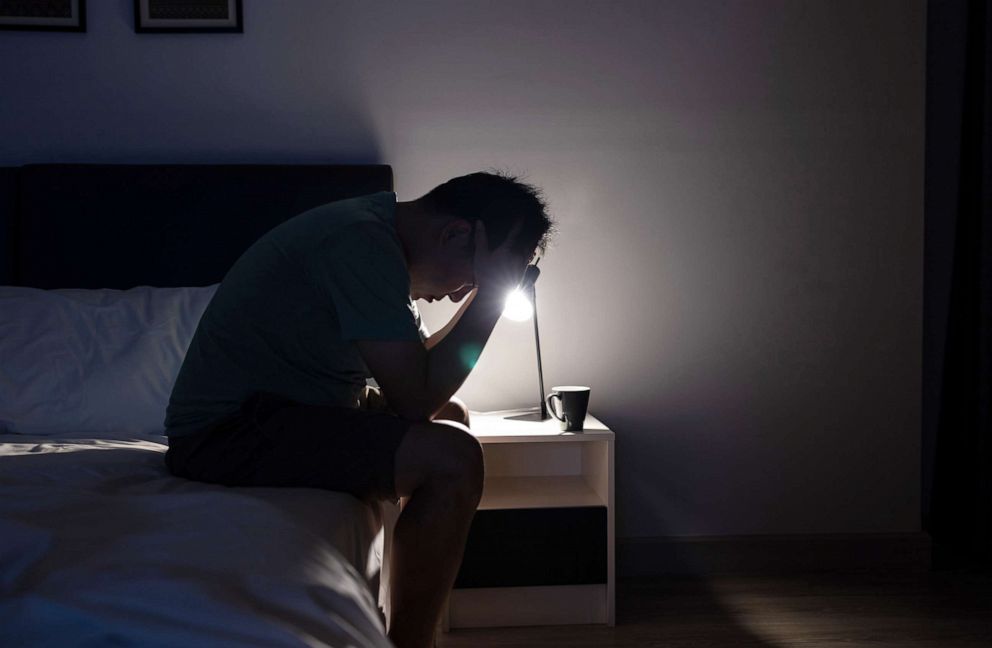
(935, 610)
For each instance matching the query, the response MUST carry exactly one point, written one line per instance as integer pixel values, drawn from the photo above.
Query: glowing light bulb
(518, 308)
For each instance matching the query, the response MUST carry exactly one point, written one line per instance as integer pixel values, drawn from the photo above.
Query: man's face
(447, 269)
(443, 278)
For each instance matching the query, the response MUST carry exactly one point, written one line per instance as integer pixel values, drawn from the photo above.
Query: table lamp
(521, 304)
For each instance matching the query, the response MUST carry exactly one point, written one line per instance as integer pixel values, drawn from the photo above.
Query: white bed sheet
(100, 545)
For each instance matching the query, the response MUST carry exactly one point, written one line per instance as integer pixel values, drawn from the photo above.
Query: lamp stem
(537, 344)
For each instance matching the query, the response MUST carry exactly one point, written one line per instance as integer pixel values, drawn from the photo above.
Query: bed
(105, 271)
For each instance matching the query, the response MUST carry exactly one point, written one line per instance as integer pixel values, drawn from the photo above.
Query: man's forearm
(451, 360)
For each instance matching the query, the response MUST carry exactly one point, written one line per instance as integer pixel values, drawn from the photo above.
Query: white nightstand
(541, 547)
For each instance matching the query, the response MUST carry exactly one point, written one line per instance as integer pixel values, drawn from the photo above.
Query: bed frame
(120, 226)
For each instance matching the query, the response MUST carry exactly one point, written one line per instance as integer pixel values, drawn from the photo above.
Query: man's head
(442, 263)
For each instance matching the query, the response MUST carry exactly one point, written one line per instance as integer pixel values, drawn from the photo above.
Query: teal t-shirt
(286, 316)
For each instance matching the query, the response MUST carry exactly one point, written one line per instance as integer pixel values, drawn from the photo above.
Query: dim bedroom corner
(274, 370)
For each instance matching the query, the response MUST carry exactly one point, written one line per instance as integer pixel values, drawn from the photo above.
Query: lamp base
(536, 417)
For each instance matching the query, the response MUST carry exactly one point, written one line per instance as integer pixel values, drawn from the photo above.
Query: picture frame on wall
(187, 16)
(43, 15)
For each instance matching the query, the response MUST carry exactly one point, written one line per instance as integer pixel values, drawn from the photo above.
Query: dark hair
(498, 200)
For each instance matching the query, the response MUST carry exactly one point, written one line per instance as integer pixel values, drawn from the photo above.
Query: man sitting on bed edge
(273, 392)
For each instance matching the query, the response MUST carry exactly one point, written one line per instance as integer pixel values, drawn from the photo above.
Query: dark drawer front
(529, 547)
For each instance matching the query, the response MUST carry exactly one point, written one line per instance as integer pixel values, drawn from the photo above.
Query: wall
(738, 185)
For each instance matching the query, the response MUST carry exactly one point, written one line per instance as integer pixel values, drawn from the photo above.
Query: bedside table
(541, 547)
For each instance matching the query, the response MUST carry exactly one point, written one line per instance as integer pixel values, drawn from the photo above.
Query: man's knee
(454, 410)
(441, 454)
(458, 454)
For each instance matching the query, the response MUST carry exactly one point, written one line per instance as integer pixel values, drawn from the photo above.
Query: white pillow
(95, 361)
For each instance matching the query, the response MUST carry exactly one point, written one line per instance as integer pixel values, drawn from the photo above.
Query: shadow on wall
(188, 99)
(678, 607)
(361, 146)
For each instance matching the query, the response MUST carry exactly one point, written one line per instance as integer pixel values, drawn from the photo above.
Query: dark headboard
(119, 226)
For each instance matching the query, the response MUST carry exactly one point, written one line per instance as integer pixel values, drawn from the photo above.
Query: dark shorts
(273, 441)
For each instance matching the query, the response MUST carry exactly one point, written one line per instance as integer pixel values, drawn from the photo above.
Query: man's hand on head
(497, 271)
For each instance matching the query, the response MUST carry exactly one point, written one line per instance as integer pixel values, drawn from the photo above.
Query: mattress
(99, 544)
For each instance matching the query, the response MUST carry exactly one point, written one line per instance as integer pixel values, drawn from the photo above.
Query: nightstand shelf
(561, 491)
(541, 547)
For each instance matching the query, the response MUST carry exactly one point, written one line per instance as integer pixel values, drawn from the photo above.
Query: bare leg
(439, 470)
(455, 410)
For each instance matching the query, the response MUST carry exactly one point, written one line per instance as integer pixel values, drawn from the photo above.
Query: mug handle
(551, 407)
